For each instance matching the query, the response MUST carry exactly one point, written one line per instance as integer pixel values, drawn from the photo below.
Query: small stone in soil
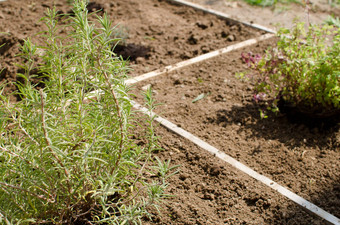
(140, 60)
(146, 87)
(231, 38)
(205, 49)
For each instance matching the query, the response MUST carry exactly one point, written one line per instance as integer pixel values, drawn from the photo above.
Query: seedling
(200, 97)
(199, 80)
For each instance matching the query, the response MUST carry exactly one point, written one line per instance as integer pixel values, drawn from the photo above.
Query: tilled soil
(304, 157)
(277, 15)
(209, 191)
(154, 33)
(206, 190)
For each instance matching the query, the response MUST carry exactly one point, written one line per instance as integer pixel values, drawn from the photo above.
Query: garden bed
(207, 190)
(155, 33)
(302, 157)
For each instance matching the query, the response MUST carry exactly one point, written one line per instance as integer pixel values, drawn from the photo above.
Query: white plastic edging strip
(265, 180)
(223, 15)
(197, 59)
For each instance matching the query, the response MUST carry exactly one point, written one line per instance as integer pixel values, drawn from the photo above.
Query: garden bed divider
(197, 59)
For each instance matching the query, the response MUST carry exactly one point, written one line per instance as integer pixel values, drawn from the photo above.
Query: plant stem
(24, 190)
(47, 140)
(119, 116)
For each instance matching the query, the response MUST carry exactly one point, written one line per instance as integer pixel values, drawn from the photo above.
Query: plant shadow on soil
(290, 129)
(132, 51)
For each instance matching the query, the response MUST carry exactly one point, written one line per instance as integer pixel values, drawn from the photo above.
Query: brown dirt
(278, 15)
(303, 157)
(155, 33)
(206, 190)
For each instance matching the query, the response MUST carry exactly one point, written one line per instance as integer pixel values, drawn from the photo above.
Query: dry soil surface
(156, 33)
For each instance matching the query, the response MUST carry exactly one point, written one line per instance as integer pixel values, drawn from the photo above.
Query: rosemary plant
(66, 152)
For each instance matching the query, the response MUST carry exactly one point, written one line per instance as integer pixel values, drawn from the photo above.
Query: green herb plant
(303, 71)
(66, 149)
(267, 3)
(334, 21)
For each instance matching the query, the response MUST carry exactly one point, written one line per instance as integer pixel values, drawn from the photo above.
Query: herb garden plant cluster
(73, 150)
(67, 154)
(302, 72)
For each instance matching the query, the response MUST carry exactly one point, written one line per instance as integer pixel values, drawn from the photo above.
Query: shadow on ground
(292, 130)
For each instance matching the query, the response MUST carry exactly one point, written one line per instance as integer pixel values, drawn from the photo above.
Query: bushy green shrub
(66, 148)
(303, 70)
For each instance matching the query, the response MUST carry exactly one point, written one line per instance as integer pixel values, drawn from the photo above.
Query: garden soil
(278, 15)
(304, 157)
(300, 154)
(154, 33)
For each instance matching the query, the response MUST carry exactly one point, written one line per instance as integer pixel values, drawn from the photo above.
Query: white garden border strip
(199, 58)
(226, 158)
(222, 15)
